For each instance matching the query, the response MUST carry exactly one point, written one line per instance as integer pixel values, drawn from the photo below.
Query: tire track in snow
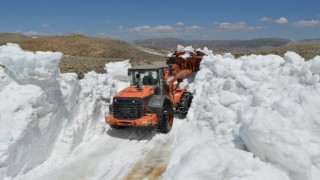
(91, 160)
(153, 164)
(155, 160)
(131, 153)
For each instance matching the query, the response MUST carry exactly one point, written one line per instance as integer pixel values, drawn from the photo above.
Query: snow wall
(255, 117)
(43, 112)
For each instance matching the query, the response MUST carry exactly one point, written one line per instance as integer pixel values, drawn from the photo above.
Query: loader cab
(148, 75)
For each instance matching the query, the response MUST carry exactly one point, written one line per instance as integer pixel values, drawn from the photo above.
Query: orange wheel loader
(153, 97)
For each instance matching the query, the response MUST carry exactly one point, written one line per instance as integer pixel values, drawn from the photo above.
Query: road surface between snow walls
(255, 117)
(120, 154)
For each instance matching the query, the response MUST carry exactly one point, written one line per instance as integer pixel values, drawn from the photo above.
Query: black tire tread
(163, 123)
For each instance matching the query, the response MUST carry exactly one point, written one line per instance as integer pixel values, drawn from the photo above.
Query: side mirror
(138, 76)
(138, 81)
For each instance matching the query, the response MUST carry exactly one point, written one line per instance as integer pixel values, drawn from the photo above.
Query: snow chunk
(24, 64)
(187, 49)
(119, 69)
(293, 58)
(315, 65)
(228, 55)
(227, 98)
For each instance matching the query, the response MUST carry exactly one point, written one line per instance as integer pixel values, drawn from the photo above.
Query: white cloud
(193, 28)
(140, 28)
(281, 20)
(107, 35)
(227, 25)
(265, 19)
(180, 24)
(238, 26)
(151, 28)
(108, 21)
(32, 33)
(45, 25)
(304, 23)
(163, 28)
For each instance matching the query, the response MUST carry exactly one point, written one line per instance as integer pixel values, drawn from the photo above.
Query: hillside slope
(167, 44)
(12, 37)
(82, 53)
(306, 48)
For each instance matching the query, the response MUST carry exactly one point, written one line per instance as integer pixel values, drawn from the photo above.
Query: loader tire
(184, 105)
(165, 119)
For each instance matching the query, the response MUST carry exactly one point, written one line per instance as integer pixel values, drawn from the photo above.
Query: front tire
(165, 119)
(184, 105)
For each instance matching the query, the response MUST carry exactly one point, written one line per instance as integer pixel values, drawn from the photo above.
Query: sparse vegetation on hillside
(82, 53)
(12, 37)
(308, 49)
(169, 44)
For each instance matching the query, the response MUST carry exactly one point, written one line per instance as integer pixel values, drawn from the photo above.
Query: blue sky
(142, 19)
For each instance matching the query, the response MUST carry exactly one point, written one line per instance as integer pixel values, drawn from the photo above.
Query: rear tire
(165, 119)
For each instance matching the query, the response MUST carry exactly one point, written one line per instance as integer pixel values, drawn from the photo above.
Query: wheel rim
(169, 115)
(170, 119)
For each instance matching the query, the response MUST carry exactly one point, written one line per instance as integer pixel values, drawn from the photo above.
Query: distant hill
(12, 37)
(169, 44)
(308, 48)
(82, 53)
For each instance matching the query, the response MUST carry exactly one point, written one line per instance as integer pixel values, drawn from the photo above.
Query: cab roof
(149, 67)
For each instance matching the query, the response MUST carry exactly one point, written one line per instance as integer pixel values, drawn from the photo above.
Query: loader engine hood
(133, 91)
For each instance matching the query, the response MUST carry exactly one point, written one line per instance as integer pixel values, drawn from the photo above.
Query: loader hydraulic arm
(181, 75)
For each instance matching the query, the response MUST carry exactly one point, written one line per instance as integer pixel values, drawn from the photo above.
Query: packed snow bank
(118, 70)
(44, 113)
(119, 73)
(267, 105)
(282, 126)
(31, 108)
(211, 161)
(255, 117)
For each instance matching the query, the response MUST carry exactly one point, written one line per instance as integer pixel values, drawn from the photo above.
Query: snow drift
(266, 106)
(44, 112)
(255, 117)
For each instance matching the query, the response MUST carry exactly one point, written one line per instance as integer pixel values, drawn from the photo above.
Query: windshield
(147, 77)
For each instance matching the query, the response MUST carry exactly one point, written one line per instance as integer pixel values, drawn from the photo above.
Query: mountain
(169, 44)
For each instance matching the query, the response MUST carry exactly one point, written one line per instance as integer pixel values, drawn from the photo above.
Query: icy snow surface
(255, 117)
